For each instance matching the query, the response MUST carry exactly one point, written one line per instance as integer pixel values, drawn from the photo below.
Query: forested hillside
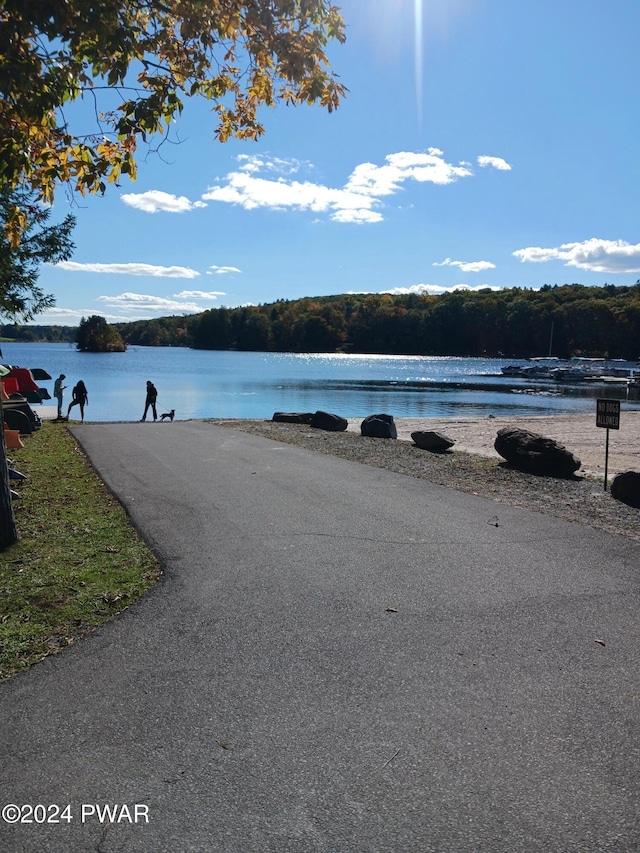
(574, 319)
(38, 334)
(594, 321)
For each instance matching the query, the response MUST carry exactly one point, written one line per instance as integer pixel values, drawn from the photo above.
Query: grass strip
(78, 562)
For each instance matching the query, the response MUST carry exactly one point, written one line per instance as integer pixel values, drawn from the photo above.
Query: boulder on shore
(379, 426)
(293, 417)
(431, 440)
(328, 421)
(626, 487)
(529, 451)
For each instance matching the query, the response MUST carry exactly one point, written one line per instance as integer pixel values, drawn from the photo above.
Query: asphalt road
(339, 659)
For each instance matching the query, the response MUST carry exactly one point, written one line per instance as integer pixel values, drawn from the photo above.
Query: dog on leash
(169, 415)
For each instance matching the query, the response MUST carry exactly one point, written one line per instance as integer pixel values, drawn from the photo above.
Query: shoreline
(578, 433)
(476, 435)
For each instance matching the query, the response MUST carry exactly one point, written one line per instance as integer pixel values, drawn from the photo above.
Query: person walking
(80, 398)
(152, 396)
(58, 388)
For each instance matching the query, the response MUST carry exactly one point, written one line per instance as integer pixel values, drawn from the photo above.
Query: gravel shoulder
(474, 467)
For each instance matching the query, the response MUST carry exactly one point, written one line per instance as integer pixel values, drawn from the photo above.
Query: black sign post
(607, 416)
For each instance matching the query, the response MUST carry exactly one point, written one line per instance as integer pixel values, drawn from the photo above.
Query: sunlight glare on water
(221, 384)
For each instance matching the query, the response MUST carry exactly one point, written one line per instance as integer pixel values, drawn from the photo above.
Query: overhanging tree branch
(238, 54)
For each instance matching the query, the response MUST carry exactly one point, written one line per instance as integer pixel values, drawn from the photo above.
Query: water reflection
(201, 384)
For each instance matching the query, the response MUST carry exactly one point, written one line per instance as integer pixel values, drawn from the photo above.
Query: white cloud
(258, 162)
(357, 216)
(467, 266)
(252, 192)
(594, 255)
(536, 255)
(130, 269)
(199, 294)
(437, 289)
(429, 166)
(72, 316)
(358, 201)
(148, 303)
(216, 270)
(154, 201)
(65, 316)
(138, 306)
(496, 162)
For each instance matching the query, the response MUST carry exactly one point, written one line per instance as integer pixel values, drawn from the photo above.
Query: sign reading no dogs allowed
(608, 414)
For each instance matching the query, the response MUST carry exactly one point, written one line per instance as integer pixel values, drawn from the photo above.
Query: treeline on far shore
(572, 319)
(38, 334)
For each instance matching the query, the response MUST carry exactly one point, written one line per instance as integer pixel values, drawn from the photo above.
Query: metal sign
(608, 414)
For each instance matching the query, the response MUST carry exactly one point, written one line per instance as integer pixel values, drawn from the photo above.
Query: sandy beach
(578, 433)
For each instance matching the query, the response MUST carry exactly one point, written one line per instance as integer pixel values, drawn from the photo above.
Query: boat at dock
(539, 367)
(575, 370)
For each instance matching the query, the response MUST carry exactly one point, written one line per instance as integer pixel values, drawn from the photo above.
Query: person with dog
(58, 388)
(80, 398)
(150, 401)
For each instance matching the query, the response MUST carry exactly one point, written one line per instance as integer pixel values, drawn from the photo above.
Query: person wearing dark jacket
(152, 396)
(80, 398)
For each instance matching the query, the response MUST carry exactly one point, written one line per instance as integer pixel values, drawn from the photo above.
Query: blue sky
(483, 143)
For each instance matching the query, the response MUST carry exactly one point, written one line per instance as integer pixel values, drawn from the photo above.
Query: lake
(218, 384)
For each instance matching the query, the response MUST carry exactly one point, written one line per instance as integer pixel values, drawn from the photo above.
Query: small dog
(169, 415)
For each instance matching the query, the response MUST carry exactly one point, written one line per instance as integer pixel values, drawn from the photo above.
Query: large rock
(532, 452)
(328, 421)
(379, 426)
(431, 440)
(293, 417)
(626, 487)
